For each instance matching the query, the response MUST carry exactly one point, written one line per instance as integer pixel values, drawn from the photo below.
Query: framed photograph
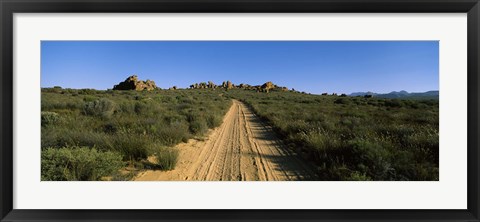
(239, 110)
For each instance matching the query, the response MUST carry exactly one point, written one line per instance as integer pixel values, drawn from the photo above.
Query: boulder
(245, 86)
(211, 85)
(132, 83)
(266, 87)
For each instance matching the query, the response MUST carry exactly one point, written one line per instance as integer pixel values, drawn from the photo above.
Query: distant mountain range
(401, 95)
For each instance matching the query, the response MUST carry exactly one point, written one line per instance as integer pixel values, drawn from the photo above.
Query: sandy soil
(242, 148)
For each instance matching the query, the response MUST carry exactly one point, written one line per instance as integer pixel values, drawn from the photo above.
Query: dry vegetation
(130, 124)
(355, 138)
(348, 138)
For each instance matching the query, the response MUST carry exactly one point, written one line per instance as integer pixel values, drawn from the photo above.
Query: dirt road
(242, 148)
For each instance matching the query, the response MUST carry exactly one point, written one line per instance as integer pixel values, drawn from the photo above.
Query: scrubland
(111, 135)
(122, 128)
(355, 138)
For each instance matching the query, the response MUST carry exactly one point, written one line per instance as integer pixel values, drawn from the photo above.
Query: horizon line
(289, 88)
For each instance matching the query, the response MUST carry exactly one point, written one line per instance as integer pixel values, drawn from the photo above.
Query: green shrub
(102, 107)
(88, 98)
(87, 91)
(396, 103)
(132, 147)
(61, 136)
(198, 127)
(49, 118)
(140, 108)
(166, 158)
(173, 133)
(357, 176)
(374, 158)
(214, 120)
(342, 101)
(78, 163)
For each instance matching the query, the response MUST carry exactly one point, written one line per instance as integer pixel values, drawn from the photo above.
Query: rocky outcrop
(204, 85)
(266, 87)
(132, 83)
(229, 85)
(211, 85)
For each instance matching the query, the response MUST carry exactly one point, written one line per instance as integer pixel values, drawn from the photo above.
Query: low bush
(102, 107)
(396, 103)
(78, 163)
(214, 120)
(173, 133)
(49, 118)
(198, 127)
(341, 101)
(132, 147)
(166, 158)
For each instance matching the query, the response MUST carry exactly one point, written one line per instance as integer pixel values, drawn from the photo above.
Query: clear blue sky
(311, 66)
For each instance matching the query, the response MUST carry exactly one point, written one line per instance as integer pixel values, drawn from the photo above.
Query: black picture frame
(9, 7)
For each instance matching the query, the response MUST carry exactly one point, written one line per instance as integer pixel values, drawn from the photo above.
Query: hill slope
(401, 95)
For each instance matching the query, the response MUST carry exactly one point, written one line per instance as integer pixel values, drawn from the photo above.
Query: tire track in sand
(242, 148)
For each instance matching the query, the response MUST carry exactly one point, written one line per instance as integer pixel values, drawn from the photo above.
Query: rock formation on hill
(132, 83)
(229, 85)
(211, 85)
(204, 85)
(266, 87)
